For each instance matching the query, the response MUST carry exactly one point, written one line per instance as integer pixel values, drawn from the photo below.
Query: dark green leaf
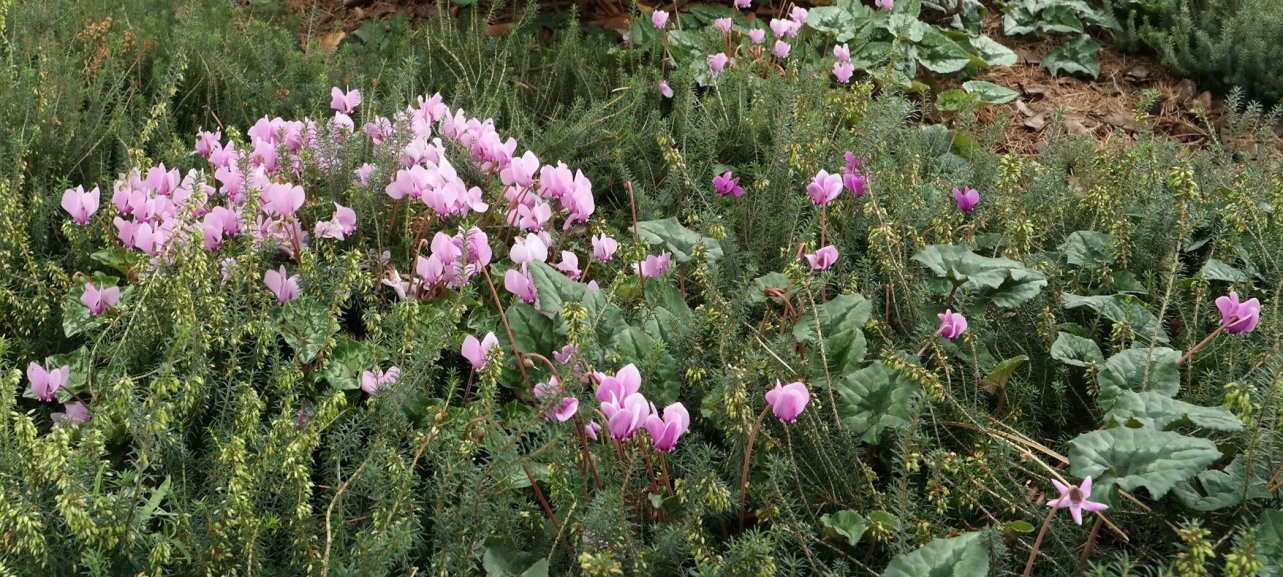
(1060, 18)
(1158, 411)
(305, 324)
(681, 241)
(555, 288)
(848, 524)
(842, 313)
(994, 53)
(347, 359)
(989, 92)
(1088, 249)
(1136, 458)
(1076, 351)
(874, 399)
(1217, 270)
(962, 556)
(1079, 56)
(1214, 490)
(940, 54)
(1126, 371)
(533, 332)
(998, 377)
(1004, 281)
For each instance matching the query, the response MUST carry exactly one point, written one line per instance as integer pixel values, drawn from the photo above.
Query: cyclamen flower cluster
(626, 410)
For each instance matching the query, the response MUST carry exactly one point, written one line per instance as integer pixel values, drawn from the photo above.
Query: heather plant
(1223, 44)
(763, 325)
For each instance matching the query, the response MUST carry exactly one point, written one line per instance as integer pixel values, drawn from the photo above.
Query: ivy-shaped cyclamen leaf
(1140, 458)
(874, 399)
(1076, 351)
(966, 555)
(1079, 56)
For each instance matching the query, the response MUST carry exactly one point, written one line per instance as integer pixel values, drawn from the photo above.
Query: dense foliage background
(230, 435)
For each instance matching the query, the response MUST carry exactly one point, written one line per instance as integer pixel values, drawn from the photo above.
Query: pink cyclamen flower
(604, 247)
(788, 401)
(781, 49)
(1238, 317)
(723, 24)
(823, 259)
(842, 53)
(591, 429)
(528, 249)
(727, 185)
(884, 4)
(363, 174)
(654, 266)
(951, 324)
(520, 284)
(79, 204)
(717, 62)
(665, 89)
(854, 182)
(344, 102)
(757, 35)
(743, 4)
(1076, 499)
(569, 264)
(74, 413)
(843, 71)
(565, 355)
(614, 389)
(99, 300)
(282, 285)
(207, 143)
(783, 28)
(664, 432)
(798, 15)
(967, 199)
(561, 407)
(46, 383)
(374, 381)
(282, 199)
(659, 19)
(478, 352)
(626, 417)
(824, 187)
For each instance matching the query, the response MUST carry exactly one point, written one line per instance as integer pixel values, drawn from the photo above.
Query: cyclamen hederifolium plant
(887, 40)
(315, 353)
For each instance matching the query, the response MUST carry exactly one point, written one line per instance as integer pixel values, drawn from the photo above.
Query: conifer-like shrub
(1222, 44)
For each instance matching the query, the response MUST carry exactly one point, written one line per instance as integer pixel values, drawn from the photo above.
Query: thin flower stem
(748, 453)
(1029, 565)
(632, 203)
(583, 441)
(506, 327)
(542, 501)
(663, 464)
(1200, 344)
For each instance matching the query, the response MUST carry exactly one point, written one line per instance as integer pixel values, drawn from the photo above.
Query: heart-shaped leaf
(1136, 458)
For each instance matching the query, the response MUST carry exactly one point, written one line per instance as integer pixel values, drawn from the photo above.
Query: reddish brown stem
(542, 501)
(748, 453)
(1200, 344)
(516, 354)
(1033, 553)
